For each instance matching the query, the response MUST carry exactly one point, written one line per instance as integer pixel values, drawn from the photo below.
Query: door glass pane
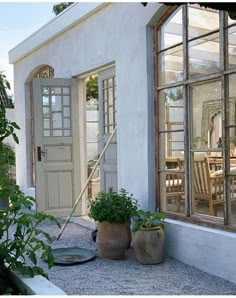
(66, 112)
(171, 32)
(66, 90)
(46, 133)
(45, 100)
(46, 123)
(111, 118)
(57, 120)
(110, 82)
(46, 112)
(206, 115)
(232, 47)
(110, 96)
(57, 133)
(171, 65)
(45, 90)
(67, 132)
(56, 90)
(66, 123)
(204, 55)
(56, 103)
(66, 100)
(202, 20)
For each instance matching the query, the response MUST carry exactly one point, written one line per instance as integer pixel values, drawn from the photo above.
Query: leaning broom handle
(86, 184)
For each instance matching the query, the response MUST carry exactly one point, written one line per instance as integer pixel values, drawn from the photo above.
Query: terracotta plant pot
(113, 239)
(149, 245)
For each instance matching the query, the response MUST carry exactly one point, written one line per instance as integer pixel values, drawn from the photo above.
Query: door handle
(40, 153)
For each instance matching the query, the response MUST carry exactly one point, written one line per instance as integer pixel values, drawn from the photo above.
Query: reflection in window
(204, 55)
(171, 32)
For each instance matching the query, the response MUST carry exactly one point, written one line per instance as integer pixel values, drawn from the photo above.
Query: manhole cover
(72, 255)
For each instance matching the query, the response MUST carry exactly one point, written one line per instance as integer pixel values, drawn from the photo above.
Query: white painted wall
(116, 33)
(210, 250)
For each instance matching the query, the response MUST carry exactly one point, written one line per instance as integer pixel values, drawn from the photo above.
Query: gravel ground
(128, 277)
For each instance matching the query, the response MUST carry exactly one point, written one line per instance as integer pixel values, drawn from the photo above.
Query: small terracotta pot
(149, 245)
(113, 239)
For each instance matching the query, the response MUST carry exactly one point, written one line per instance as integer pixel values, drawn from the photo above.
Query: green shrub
(112, 206)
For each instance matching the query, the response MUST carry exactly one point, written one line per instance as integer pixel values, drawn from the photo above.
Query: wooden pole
(85, 186)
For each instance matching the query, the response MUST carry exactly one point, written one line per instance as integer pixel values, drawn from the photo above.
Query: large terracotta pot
(113, 239)
(149, 245)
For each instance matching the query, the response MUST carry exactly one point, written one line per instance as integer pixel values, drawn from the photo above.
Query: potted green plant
(149, 237)
(113, 211)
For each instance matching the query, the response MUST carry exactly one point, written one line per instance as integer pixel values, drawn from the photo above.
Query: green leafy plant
(112, 206)
(147, 219)
(21, 237)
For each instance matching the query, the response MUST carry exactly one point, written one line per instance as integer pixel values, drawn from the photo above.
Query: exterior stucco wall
(118, 33)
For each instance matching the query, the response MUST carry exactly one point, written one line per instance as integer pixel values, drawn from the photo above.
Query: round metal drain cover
(72, 255)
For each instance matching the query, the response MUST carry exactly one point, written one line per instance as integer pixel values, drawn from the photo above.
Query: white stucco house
(166, 79)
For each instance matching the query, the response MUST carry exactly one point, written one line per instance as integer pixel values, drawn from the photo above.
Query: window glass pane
(67, 132)
(171, 101)
(66, 112)
(204, 55)
(207, 186)
(57, 120)
(231, 21)
(46, 133)
(171, 65)
(46, 123)
(231, 104)
(45, 100)
(171, 32)
(66, 90)
(172, 190)
(232, 47)
(56, 103)
(66, 100)
(232, 142)
(57, 133)
(202, 21)
(67, 123)
(206, 115)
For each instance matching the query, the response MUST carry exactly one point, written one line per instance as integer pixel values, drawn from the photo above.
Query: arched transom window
(195, 67)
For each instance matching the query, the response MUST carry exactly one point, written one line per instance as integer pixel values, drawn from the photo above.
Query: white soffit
(70, 17)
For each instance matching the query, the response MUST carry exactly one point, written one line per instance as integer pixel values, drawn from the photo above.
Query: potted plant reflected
(149, 237)
(113, 211)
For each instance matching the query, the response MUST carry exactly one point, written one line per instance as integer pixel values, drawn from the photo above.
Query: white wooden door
(107, 123)
(56, 145)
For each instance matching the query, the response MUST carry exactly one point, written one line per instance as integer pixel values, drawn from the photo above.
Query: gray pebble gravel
(128, 277)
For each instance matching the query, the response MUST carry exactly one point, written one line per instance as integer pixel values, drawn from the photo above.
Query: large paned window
(195, 67)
